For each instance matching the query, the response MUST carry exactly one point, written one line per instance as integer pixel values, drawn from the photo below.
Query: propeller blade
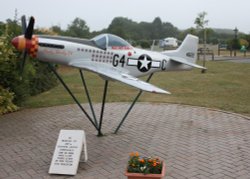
(29, 31)
(24, 25)
(23, 61)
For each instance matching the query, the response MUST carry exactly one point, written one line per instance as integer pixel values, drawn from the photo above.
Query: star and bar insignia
(144, 63)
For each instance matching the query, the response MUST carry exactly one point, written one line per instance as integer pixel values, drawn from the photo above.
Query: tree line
(135, 32)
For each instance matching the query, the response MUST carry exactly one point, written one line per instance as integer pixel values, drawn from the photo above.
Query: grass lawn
(225, 86)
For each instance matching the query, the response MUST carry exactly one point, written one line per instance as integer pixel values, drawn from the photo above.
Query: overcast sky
(98, 14)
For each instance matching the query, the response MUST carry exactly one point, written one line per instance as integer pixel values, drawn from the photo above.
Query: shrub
(6, 101)
(43, 80)
(36, 76)
(145, 44)
(10, 71)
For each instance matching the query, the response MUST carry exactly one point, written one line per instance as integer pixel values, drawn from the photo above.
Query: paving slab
(195, 142)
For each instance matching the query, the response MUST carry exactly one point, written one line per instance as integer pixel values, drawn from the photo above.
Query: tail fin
(187, 50)
(186, 53)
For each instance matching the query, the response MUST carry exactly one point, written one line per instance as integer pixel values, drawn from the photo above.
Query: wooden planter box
(147, 176)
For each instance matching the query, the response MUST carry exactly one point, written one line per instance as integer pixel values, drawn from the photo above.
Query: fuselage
(115, 53)
(134, 61)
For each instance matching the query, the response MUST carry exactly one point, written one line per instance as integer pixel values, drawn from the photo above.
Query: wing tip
(161, 92)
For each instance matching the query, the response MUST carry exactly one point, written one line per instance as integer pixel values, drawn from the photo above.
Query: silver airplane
(109, 56)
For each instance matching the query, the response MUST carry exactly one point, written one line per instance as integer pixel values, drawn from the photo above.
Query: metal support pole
(205, 50)
(131, 106)
(72, 95)
(102, 110)
(88, 96)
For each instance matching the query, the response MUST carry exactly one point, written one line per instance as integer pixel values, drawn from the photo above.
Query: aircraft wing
(184, 61)
(115, 74)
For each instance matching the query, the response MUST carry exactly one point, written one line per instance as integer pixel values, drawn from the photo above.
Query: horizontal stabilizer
(184, 61)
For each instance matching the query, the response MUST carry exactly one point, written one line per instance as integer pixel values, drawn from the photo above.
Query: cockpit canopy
(109, 41)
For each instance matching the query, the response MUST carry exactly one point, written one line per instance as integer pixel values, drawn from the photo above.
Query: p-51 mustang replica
(109, 56)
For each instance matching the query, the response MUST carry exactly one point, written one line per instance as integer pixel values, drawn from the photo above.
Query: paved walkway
(195, 142)
(238, 59)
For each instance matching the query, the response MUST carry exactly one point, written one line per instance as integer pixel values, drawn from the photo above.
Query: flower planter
(147, 176)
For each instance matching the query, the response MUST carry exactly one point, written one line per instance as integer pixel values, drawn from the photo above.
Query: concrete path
(231, 59)
(195, 142)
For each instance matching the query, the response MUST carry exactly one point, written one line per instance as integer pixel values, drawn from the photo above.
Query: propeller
(21, 42)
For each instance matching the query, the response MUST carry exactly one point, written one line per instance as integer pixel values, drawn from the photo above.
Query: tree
(57, 30)
(2, 28)
(78, 28)
(157, 28)
(124, 28)
(143, 31)
(184, 33)
(168, 30)
(118, 26)
(247, 37)
(200, 20)
(201, 23)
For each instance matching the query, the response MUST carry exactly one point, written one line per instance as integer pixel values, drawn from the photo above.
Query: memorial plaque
(67, 152)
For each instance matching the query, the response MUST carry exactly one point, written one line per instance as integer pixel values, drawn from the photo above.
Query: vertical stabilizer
(187, 50)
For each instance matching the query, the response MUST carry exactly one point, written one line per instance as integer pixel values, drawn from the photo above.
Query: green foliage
(2, 28)
(6, 101)
(247, 38)
(236, 44)
(183, 33)
(36, 76)
(233, 44)
(129, 29)
(200, 20)
(9, 71)
(123, 27)
(136, 32)
(210, 35)
(145, 44)
(243, 42)
(78, 28)
(43, 79)
(56, 29)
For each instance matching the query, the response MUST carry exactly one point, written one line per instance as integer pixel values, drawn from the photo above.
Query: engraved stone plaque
(67, 152)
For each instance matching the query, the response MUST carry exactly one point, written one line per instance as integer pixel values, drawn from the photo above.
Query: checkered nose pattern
(21, 43)
(34, 46)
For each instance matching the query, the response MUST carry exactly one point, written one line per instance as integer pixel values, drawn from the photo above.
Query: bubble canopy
(105, 41)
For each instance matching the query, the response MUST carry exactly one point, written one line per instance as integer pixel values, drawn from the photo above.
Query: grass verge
(225, 86)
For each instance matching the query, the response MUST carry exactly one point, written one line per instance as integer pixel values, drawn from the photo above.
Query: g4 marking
(117, 60)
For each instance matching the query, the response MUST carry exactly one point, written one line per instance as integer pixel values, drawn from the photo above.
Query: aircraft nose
(15, 42)
(20, 43)
(30, 45)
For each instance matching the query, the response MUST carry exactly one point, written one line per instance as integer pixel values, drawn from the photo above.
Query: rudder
(187, 50)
